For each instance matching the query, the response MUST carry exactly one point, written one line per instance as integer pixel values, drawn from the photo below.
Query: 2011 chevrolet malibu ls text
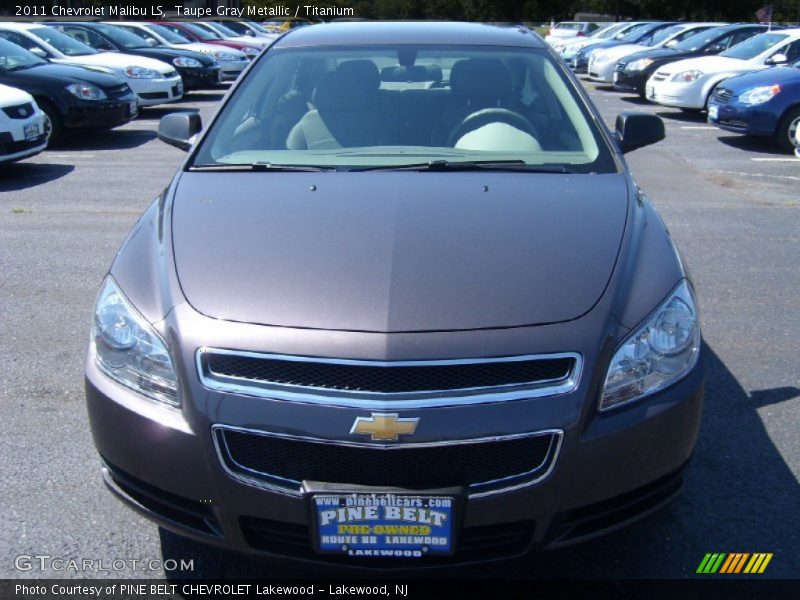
(402, 303)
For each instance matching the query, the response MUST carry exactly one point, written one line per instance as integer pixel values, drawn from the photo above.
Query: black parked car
(72, 97)
(197, 70)
(632, 72)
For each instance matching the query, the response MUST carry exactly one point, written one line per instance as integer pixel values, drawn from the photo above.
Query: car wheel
(786, 134)
(54, 121)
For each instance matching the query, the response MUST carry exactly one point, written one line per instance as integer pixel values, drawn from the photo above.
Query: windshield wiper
(471, 165)
(260, 167)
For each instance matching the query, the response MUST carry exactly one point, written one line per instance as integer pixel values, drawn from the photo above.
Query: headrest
(417, 73)
(350, 86)
(484, 79)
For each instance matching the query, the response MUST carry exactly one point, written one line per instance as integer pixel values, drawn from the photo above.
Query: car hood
(207, 48)
(617, 52)
(709, 64)
(784, 76)
(10, 96)
(396, 251)
(656, 54)
(118, 61)
(49, 74)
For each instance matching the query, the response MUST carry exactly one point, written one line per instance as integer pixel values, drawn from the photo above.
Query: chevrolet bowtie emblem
(384, 427)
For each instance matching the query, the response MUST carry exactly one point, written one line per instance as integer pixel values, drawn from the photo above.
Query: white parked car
(153, 81)
(688, 84)
(231, 61)
(23, 125)
(560, 43)
(226, 33)
(571, 29)
(603, 62)
(249, 29)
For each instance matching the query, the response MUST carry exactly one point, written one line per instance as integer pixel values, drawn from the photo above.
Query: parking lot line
(774, 159)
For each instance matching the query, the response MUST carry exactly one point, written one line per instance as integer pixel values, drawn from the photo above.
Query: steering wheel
(490, 115)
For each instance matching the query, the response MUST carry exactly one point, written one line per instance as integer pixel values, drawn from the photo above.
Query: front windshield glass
(121, 37)
(62, 42)
(169, 35)
(223, 29)
(754, 46)
(204, 34)
(662, 36)
(699, 40)
(634, 33)
(14, 58)
(388, 106)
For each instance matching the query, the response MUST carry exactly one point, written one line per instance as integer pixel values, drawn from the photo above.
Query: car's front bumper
(201, 77)
(611, 468)
(733, 116)
(157, 91)
(602, 71)
(22, 138)
(100, 114)
(677, 94)
(630, 82)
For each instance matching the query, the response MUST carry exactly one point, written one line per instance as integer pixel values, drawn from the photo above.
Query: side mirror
(714, 49)
(38, 52)
(152, 42)
(177, 129)
(776, 59)
(635, 130)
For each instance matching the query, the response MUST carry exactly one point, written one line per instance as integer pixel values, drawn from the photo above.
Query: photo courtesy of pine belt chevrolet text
(404, 305)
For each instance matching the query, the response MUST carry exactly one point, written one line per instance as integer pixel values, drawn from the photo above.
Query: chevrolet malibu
(401, 303)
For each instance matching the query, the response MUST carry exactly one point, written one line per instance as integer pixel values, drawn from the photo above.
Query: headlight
(141, 73)
(759, 95)
(225, 56)
(639, 65)
(248, 51)
(128, 349)
(86, 91)
(658, 353)
(687, 76)
(186, 61)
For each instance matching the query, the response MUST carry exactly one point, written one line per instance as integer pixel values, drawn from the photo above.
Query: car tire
(787, 129)
(55, 122)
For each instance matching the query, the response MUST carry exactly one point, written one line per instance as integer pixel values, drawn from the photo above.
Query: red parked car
(201, 34)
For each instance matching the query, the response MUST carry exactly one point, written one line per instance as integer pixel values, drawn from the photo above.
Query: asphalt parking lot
(732, 204)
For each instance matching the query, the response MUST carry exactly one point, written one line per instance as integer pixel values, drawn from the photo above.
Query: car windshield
(607, 32)
(169, 35)
(634, 33)
(121, 37)
(62, 42)
(699, 40)
(571, 26)
(754, 46)
(257, 27)
(662, 36)
(203, 33)
(223, 29)
(394, 106)
(14, 58)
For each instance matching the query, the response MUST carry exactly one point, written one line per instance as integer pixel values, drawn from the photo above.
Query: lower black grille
(481, 466)
(154, 95)
(118, 91)
(21, 111)
(499, 541)
(182, 511)
(387, 378)
(722, 95)
(595, 519)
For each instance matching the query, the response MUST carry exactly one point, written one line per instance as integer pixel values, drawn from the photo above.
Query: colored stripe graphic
(734, 562)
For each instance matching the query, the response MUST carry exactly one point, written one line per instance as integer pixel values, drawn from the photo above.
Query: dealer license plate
(383, 524)
(31, 131)
(649, 91)
(713, 112)
(133, 107)
(616, 77)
